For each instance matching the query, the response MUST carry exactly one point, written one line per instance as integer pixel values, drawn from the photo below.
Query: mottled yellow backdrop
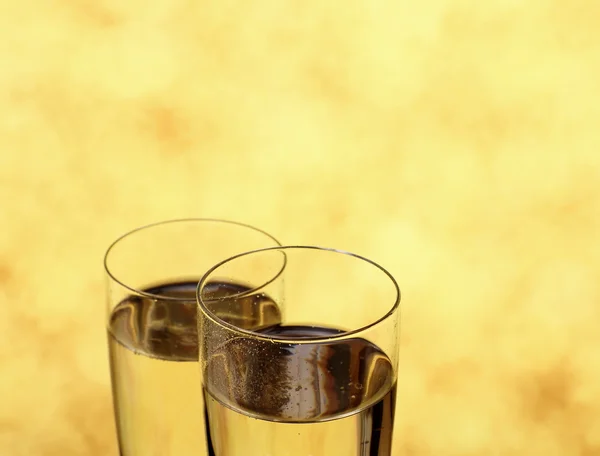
(455, 142)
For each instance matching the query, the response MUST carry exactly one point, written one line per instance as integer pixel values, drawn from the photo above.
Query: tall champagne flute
(152, 275)
(319, 382)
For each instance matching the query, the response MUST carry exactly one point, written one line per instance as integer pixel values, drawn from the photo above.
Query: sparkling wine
(153, 347)
(333, 398)
(262, 398)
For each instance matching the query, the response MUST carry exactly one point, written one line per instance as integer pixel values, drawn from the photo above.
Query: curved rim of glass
(130, 233)
(307, 340)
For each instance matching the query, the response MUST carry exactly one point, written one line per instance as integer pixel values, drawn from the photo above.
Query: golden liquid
(158, 404)
(153, 347)
(332, 398)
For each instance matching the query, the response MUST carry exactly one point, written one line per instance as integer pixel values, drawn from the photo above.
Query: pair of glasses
(224, 342)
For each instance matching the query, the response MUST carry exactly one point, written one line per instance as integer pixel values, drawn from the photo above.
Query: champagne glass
(320, 381)
(152, 275)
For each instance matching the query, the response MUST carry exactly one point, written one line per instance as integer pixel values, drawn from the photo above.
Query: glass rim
(129, 233)
(201, 303)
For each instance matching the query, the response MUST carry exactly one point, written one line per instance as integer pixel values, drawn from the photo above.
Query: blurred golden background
(454, 142)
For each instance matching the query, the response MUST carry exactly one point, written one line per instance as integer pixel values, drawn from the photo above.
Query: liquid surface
(330, 398)
(166, 328)
(153, 347)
